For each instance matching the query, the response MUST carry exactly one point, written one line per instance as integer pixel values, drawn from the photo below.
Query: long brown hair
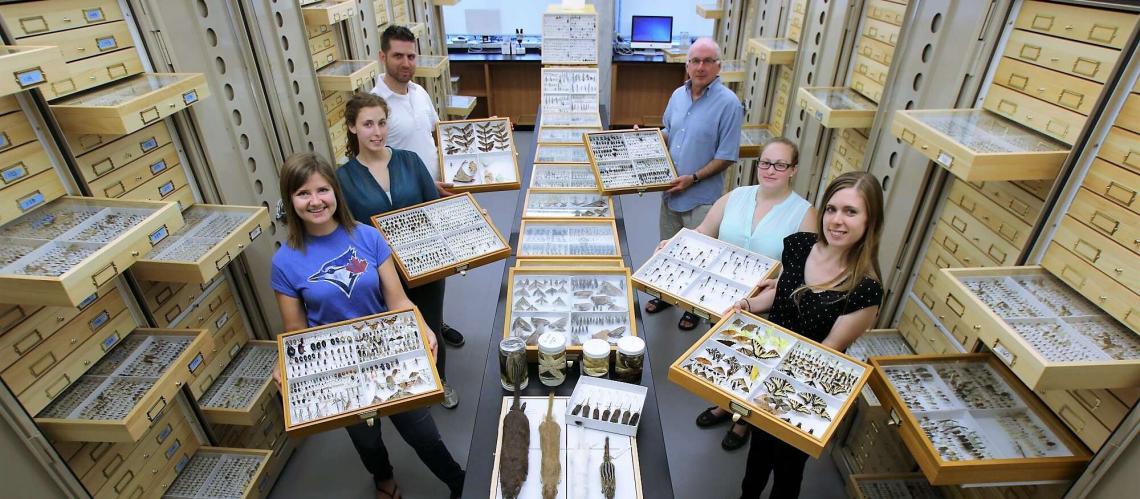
(862, 259)
(295, 172)
(360, 100)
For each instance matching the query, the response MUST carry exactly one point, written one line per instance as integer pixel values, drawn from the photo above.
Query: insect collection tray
(606, 405)
(576, 120)
(563, 135)
(577, 238)
(439, 238)
(967, 419)
(63, 252)
(567, 204)
(213, 236)
(430, 66)
(581, 452)
(580, 303)
(976, 144)
(838, 107)
(878, 343)
(1049, 335)
(753, 138)
(774, 51)
(119, 397)
(556, 153)
(478, 155)
(347, 372)
(891, 486)
(631, 160)
(240, 388)
(563, 176)
(570, 37)
(703, 275)
(347, 76)
(570, 90)
(131, 104)
(220, 473)
(785, 384)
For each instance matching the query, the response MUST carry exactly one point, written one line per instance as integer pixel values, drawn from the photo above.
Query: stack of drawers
(144, 165)
(28, 178)
(846, 152)
(781, 100)
(872, 445)
(401, 12)
(796, 20)
(382, 15)
(882, 21)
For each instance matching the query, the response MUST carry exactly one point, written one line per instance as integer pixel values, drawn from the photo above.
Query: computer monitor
(651, 32)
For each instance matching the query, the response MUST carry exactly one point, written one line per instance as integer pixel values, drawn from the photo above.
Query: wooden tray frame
(557, 69)
(213, 261)
(246, 416)
(30, 67)
(752, 413)
(526, 202)
(514, 153)
(461, 105)
(336, 11)
(460, 267)
(750, 149)
(362, 414)
(835, 118)
(940, 472)
(433, 70)
(355, 80)
(562, 263)
(585, 166)
(710, 10)
(257, 483)
(639, 189)
(135, 114)
(601, 221)
(763, 49)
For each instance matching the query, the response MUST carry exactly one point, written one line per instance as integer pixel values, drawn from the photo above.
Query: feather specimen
(549, 438)
(514, 455)
(609, 474)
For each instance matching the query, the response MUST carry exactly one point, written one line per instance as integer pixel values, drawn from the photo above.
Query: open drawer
(838, 107)
(976, 144)
(733, 70)
(245, 385)
(213, 236)
(347, 76)
(710, 10)
(430, 66)
(753, 138)
(890, 486)
(63, 252)
(789, 386)
(563, 176)
(128, 389)
(566, 204)
(1048, 334)
(220, 472)
(563, 135)
(130, 105)
(328, 12)
(586, 239)
(967, 419)
(774, 51)
(29, 67)
(460, 106)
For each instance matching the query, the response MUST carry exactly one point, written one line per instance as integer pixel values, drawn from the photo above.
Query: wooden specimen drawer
(1104, 406)
(975, 144)
(29, 194)
(959, 247)
(332, 100)
(795, 27)
(95, 71)
(1106, 218)
(881, 31)
(1114, 260)
(922, 332)
(1122, 147)
(132, 104)
(195, 476)
(22, 163)
(315, 30)
(885, 11)
(867, 87)
(1070, 92)
(875, 50)
(117, 182)
(86, 42)
(380, 7)
(334, 118)
(24, 327)
(852, 156)
(433, 66)
(1048, 335)
(1099, 26)
(245, 392)
(132, 386)
(837, 107)
(101, 160)
(883, 485)
(1076, 417)
(1075, 58)
(32, 18)
(104, 458)
(328, 12)
(321, 42)
(1002, 222)
(122, 464)
(1054, 121)
(1115, 184)
(1009, 195)
(995, 247)
(325, 57)
(227, 345)
(1049, 452)
(212, 238)
(872, 69)
(1111, 296)
(347, 76)
(1130, 114)
(15, 130)
(29, 66)
(773, 51)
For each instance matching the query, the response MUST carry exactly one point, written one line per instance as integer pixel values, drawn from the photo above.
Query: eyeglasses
(708, 61)
(779, 166)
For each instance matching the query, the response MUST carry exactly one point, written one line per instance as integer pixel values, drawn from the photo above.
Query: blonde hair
(360, 100)
(297, 170)
(862, 259)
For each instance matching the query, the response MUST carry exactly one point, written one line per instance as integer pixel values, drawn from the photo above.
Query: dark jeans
(429, 299)
(768, 454)
(417, 429)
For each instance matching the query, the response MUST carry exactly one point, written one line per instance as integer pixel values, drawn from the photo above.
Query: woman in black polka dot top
(829, 291)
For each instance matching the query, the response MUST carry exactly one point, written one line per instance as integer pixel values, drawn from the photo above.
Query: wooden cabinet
(33, 18)
(213, 236)
(1098, 26)
(132, 104)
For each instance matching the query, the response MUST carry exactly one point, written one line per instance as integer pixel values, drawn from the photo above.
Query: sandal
(657, 305)
(394, 494)
(688, 322)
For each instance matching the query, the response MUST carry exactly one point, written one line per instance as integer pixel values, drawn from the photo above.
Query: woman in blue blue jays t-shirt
(334, 269)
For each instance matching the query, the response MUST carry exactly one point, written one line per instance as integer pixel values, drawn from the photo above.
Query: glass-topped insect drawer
(347, 372)
(838, 107)
(570, 262)
(347, 76)
(430, 66)
(703, 275)
(561, 153)
(976, 144)
(131, 104)
(461, 106)
(1050, 336)
(753, 138)
(220, 473)
(891, 486)
(732, 70)
(242, 387)
(569, 36)
(563, 135)
(213, 236)
(119, 397)
(787, 385)
(564, 119)
(563, 176)
(573, 90)
(63, 252)
(567, 204)
(631, 160)
(588, 463)
(774, 51)
(967, 419)
(478, 155)
(26, 67)
(579, 303)
(588, 239)
(440, 238)
(328, 12)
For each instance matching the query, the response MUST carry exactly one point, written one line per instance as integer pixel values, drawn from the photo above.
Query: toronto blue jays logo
(342, 271)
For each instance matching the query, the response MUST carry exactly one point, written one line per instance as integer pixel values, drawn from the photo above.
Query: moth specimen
(514, 460)
(549, 434)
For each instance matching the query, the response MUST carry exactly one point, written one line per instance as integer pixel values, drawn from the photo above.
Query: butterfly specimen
(778, 387)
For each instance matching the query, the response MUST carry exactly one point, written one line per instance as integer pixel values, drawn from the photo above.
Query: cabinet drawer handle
(32, 25)
(1129, 160)
(1082, 396)
(1120, 193)
(173, 313)
(223, 261)
(1102, 33)
(164, 295)
(1073, 276)
(1104, 222)
(955, 305)
(1071, 99)
(998, 255)
(1017, 81)
(958, 224)
(1086, 250)
(105, 275)
(41, 366)
(1071, 418)
(113, 466)
(1029, 52)
(149, 115)
(123, 482)
(117, 71)
(54, 390)
(1004, 354)
(12, 317)
(1058, 128)
(1042, 22)
(1086, 67)
(24, 346)
(152, 414)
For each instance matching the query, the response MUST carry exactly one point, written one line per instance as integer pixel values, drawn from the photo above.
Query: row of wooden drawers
(166, 301)
(872, 446)
(924, 333)
(264, 433)
(795, 26)
(1005, 224)
(885, 11)
(228, 343)
(1070, 92)
(1098, 26)
(99, 155)
(27, 177)
(109, 469)
(1048, 119)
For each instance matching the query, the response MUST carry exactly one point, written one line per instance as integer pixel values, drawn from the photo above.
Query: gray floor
(326, 465)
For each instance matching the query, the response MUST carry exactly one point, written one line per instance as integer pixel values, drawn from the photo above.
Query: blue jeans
(418, 429)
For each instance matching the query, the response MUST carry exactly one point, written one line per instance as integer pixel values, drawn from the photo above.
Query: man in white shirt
(411, 122)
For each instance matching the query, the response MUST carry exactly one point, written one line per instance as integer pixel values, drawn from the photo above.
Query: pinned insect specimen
(778, 387)
(549, 438)
(609, 473)
(493, 135)
(514, 456)
(458, 139)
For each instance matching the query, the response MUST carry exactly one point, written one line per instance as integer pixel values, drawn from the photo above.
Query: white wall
(527, 14)
(684, 14)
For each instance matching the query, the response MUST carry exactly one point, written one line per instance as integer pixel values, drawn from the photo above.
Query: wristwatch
(696, 179)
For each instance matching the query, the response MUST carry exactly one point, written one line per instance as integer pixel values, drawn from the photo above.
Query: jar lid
(552, 342)
(512, 344)
(596, 348)
(631, 345)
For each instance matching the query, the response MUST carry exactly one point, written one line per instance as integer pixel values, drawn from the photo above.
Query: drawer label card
(29, 77)
(158, 235)
(945, 159)
(174, 448)
(88, 301)
(222, 320)
(162, 435)
(106, 43)
(158, 167)
(94, 15)
(148, 144)
(165, 189)
(190, 97)
(99, 320)
(110, 342)
(255, 233)
(181, 464)
(4, 142)
(14, 172)
(195, 363)
(32, 201)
